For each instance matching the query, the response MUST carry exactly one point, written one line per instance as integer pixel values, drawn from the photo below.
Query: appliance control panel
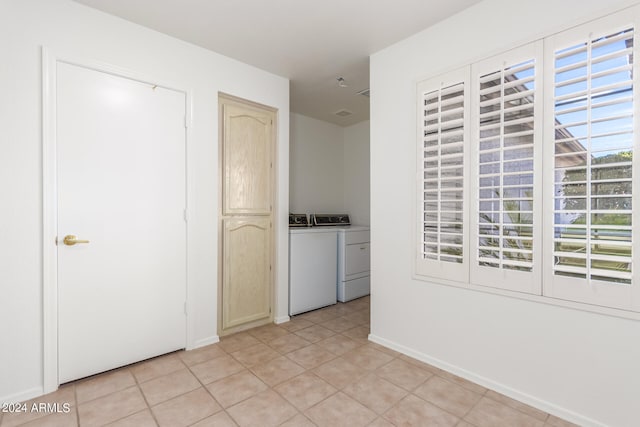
(330, 219)
(298, 220)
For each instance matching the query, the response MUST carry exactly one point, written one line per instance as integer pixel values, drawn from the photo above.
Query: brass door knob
(71, 240)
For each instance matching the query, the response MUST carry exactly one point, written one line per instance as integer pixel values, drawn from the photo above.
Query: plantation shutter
(506, 138)
(526, 178)
(592, 133)
(443, 109)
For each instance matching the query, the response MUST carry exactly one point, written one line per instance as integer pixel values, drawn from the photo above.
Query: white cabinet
(353, 263)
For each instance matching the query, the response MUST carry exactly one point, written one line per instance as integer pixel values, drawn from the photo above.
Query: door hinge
(185, 122)
(184, 214)
(185, 307)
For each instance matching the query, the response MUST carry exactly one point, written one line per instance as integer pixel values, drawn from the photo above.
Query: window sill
(607, 311)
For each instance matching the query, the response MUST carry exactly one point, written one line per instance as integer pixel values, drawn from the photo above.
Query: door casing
(49, 201)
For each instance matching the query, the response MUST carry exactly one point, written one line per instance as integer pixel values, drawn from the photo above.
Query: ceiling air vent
(343, 113)
(364, 92)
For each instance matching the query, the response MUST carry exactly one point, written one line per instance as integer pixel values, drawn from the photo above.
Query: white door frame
(50, 201)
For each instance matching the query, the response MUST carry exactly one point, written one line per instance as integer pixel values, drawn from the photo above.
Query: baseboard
(543, 405)
(23, 395)
(205, 341)
(281, 319)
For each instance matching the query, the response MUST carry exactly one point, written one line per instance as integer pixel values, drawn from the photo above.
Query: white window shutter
(506, 155)
(527, 168)
(443, 108)
(591, 137)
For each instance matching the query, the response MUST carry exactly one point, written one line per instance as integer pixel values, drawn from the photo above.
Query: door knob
(71, 240)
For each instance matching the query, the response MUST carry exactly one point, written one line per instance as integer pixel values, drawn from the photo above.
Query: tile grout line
(353, 398)
(412, 393)
(111, 394)
(245, 368)
(77, 404)
(240, 401)
(209, 391)
(307, 370)
(137, 383)
(269, 388)
(516, 409)
(120, 369)
(267, 336)
(463, 418)
(302, 412)
(144, 397)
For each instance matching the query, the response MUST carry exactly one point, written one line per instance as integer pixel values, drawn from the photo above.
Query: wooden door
(247, 147)
(120, 158)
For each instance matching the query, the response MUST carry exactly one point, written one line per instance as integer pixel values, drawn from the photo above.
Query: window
(541, 203)
(506, 170)
(591, 134)
(443, 135)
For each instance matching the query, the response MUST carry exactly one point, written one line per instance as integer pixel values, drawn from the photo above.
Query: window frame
(546, 290)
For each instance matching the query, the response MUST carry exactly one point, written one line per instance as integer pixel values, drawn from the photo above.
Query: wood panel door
(248, 134)
(247, 270)
(247, 142)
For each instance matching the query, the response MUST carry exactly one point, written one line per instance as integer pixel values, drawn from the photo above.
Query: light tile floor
(316, 370)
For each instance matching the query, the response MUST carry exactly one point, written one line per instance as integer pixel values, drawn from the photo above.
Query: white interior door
(121, 186)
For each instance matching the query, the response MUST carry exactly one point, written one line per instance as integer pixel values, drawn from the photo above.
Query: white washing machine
(313, 253)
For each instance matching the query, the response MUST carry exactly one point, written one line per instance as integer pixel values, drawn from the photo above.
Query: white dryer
(354, 265)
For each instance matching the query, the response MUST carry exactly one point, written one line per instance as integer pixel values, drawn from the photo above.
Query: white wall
(316, 166)
(71, 29)
(579, 365)
(329, 168)
(356, 172)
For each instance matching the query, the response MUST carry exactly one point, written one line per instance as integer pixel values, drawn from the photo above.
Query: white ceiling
(310, 42)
